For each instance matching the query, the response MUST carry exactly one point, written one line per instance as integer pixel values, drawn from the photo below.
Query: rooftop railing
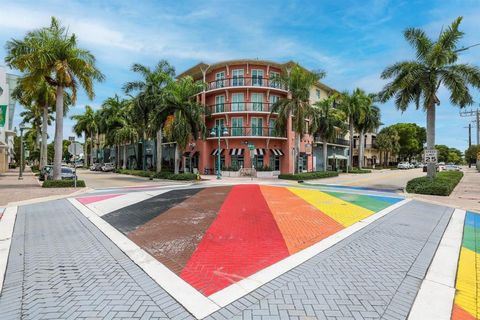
(240, 107)
(245, 82)
(252, 132)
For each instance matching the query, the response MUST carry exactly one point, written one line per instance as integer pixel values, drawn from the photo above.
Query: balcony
(265, 132)
(245, 82)
(337, 141)
(239, 107)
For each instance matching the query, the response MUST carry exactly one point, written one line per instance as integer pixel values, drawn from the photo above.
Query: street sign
(431, 156)
(71, 138)
(75, 149)
(251, 146)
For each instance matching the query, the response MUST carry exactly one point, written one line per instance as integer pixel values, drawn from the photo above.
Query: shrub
(163, 175)
(139, 173)
(35, 169)
(183, 176)
(442, 185)
(359, 171)
(63, 184)
(308, 175)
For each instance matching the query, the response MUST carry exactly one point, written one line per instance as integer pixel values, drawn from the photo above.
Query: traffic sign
(431, 156)
(75, 149)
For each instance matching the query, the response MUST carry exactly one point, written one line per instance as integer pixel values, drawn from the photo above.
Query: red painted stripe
(92, 199)
(242, 240)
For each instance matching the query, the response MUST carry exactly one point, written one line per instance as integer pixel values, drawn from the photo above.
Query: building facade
(371, 154)
(238, 98)
(7, 111)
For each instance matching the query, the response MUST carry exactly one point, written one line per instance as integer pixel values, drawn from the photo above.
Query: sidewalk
(13, 190)
(466, 195)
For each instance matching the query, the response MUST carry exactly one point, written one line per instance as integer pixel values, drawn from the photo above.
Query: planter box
(230, 174)
(267, 174)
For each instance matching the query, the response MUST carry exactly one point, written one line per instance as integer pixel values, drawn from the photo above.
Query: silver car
(67, 173)
(107, 167)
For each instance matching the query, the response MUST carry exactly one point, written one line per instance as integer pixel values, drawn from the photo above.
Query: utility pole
(473, 113)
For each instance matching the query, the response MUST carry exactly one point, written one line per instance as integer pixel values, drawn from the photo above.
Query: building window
(257, 126)
(271, 128)
(258, 161)
(275, 163)
(220, 79)
(237, 127)
(220, 122)
(237, 162)
(238, 103)
(274, 79)
(219, 103)
(237, 76)
(257, 101)
(272, 99)
(257, 77)
(318, 93)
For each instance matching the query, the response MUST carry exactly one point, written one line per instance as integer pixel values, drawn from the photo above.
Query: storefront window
(237, 162)
(275, 163)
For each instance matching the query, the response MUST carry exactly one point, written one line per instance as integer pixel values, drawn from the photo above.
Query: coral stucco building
(238, 99)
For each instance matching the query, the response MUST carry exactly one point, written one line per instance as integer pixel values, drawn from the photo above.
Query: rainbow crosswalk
(466, 304)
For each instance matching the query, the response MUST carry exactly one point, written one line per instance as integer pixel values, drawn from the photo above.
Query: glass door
(257, 126)
(257, 77)
(219, 103)
(237, 127)
(238, 103)
(220, 79)
(237, 77)
(257, 101)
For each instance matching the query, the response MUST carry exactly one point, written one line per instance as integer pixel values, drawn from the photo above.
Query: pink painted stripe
(92, 199)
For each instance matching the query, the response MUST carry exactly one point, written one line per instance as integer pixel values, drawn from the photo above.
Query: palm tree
(33, 116)
(328, 122)
(294, 109)
(51, 54)
(388, 142)
(368, 122)
(187, 122)
(418, 81)
(86, 124)
(352, 106)
(149, 97)
(126, 132)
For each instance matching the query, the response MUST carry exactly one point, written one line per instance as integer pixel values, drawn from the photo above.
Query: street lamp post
(219, 131)
(20, 175)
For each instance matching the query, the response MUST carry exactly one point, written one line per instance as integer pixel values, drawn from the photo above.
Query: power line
(473, 113)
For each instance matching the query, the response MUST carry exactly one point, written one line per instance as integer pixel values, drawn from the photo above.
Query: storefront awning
(277, 152)
(338, 157)
(259, 152)
(236, 152)
(216, 152)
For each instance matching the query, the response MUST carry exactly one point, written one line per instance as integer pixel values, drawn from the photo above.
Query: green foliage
(63, 184)
(412, 138)
(447, 155)
(308, 175)
(35, 168)
(182, 176)
(159, 175)
(264, 168)
(359, 171)
(442, 185)
(471, 153)
(139, 173)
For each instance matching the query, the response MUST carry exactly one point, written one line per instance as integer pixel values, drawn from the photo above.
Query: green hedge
(35, 169)
(172, 176)
(359, 171)
(63, 184)
(308, 175)
(139, 173)
(442, 185)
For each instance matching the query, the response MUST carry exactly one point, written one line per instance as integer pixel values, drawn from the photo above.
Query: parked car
(107, 167)
(77, 164)
(441, 166)
(425, 168)
(451, 167)
(96, 167)
(45, 171)
(67, 173)
(403, 165)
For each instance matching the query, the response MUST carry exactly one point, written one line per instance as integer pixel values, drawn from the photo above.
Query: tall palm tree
(86, 124)
(368, 122)
(352, 106)
(328, 122)
(417, 81)
(296, 107)
(388, 141)
(126, 132)
(33, 115)
(148, 96)
(52, 54)
(187, 123)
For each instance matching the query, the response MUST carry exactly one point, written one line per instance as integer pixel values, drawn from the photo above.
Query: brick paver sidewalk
(61, 266)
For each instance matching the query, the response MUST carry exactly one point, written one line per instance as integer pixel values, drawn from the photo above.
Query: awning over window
(277, 152)
(259, 152)
(236, 152)
(216, 152)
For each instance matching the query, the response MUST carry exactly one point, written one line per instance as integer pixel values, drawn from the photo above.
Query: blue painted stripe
(386, 199)
(352, 188)
(472, 219)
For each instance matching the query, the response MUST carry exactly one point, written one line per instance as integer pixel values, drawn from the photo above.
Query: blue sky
(353, 41)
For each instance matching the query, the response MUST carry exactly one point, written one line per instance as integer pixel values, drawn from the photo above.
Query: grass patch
(359, 171)
(442, 185)
(308, 175)
(63, 184)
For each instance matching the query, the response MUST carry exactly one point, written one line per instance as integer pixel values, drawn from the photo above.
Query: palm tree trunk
(177, 162)
(325, 154)
(350, 123)
(91, 148)
(44, 150)
(361, 149)
(431, 168)
(297, 152)
(159, 149)
(124, 165)
(57, 159)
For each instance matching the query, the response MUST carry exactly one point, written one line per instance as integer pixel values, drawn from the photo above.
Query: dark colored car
(45, 171)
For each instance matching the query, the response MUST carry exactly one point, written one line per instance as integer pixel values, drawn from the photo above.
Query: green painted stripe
(470, 240)
(361, 200)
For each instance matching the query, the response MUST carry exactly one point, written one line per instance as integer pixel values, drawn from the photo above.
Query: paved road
(61, 266)
(378, 179)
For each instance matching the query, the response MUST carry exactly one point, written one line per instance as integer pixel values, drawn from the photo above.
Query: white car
(107, 167)
(451, 167)
(403, 165)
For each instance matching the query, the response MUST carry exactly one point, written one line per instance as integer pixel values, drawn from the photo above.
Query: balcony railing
(367, 146)
(240, 107)
(252, 132)
(245, 82)
(338, 141)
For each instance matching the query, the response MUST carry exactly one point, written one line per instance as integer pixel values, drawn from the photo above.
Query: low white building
(7, 111)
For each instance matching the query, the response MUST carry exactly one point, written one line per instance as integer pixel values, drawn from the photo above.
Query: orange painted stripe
(300, 223)
(460, 314)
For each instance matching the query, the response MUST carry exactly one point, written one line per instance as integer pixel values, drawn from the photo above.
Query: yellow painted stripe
(341, 211)
(466, 294)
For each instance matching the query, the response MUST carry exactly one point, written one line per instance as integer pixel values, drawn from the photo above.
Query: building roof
(196, 71)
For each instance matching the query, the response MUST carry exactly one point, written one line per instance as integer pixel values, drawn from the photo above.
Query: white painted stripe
(6, 230)
(435, 297)
(196, 303)
(239, 289)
